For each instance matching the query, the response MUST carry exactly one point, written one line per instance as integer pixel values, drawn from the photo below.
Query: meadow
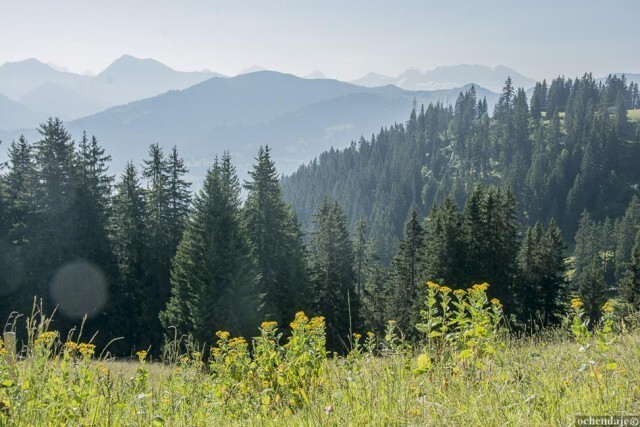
(467, 370)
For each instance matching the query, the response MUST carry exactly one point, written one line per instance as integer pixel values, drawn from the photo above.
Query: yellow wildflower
(268, 326)
(71, 346)
(223, 335)
(46, 338)
(300, 319)
(142, 355)
(433, 285)
(371, 335)
(607, 307)
(87, 350)
(357, 336)
(239, 341)
(196, 355)
(576, 303)
(445, 289)
(480, 288)
(459, 292)
(496, 302)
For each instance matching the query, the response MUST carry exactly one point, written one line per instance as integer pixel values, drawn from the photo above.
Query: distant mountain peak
(315, 74)
(252, 69)
(128, 63)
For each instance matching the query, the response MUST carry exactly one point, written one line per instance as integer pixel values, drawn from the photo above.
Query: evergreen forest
(539, 198)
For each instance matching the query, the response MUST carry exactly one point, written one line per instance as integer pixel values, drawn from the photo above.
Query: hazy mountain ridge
(298, 117)
(43, 88)
(14, 114)
(449, 77)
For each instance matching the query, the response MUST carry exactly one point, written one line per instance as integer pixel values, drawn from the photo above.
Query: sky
(345, 39)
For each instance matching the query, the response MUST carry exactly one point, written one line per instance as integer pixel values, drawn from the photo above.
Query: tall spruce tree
(213, 276)
(593, 290)
(179, 197)
(276, 242)
(407, 276)
(133, 312)
(630, 283)
(53, 231)
(332, 274)
(17, 188)
(541, 287)
(168, 200)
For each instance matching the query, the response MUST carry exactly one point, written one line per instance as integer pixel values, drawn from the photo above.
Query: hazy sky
(343, 38)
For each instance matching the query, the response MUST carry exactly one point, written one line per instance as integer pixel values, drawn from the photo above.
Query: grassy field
(542, 380)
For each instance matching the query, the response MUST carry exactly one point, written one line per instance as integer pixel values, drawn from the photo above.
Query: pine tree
(376, 297)
(158, 245)
(52, 233)
(92, 208)
(276, 240)
(626, 229)
(133, 313)
(445, 260)
(554, 282)
(360, 253)
(630, 283)
(17, 206)
(407, 276)
(593, 290)
(179, 197)
(332, 274)
(213, 276)
(19, 190)
(530, 263)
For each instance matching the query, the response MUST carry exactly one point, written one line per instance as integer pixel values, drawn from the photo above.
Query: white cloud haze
(343, 39)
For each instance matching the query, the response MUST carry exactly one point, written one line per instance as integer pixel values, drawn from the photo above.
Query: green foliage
(276, 242)
(596, 359)
(463, 331)
(630, 283)
(333, 280)
(407, 273)
(213, 277)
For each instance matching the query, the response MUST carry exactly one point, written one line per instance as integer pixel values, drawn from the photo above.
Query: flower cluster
(46, 338)
(463, 328)
(576, 303)
(86, 349)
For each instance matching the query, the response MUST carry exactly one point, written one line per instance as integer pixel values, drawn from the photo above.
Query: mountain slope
(298, 117)
(15, 115)
(19, 78)
(53, 99)
(558, 168)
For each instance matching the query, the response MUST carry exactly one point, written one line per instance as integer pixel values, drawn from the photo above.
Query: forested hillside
(453, 195)
(569, 148)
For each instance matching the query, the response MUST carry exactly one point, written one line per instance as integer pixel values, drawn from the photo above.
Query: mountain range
(47, 91)
(136, 102)
(298, 117)
(448, 77)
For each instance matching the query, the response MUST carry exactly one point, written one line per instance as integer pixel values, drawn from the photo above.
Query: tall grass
(546, 379)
